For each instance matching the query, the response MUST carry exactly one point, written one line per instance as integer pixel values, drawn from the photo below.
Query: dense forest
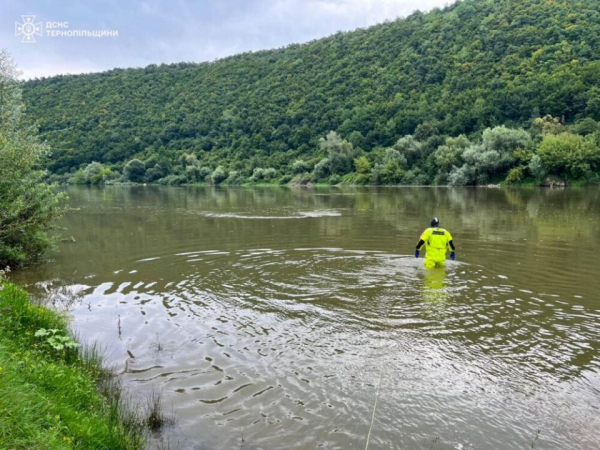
(478, 92)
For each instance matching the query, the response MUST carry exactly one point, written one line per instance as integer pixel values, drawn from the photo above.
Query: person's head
(435, 222)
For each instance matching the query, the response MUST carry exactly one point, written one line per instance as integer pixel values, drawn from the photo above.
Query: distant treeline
(416, 101)
(546, 153)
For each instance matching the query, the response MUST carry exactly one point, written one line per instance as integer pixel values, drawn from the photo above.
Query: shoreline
(55, 393)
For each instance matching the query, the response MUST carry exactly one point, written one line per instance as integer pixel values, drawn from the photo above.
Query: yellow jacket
(436, 243)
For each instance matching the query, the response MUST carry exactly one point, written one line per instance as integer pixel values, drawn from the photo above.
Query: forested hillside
(407, 101)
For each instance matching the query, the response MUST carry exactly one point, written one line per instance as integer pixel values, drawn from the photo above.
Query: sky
(147, 32)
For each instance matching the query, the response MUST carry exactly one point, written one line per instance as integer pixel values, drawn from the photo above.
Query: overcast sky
(155, 31)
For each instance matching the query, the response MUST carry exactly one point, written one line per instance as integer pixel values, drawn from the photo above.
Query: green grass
(56, 398)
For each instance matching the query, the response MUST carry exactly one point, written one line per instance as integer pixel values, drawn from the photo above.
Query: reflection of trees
(117, 226)
(153, 220)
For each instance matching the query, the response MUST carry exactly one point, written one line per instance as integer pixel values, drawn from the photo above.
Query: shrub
(449, 155)
(27, 204)
(285, 179)
(260, 174)
(536, 167)
(234, 178)
(77, 178)
(516, 174)
(363, 165)
(172, 180)
(303, 178)
(300, 166)
(218, 176)
(505, 140)
(341, 153)
(335, 179)
(569, 156)
(409, 148)
(322, 169)
(461, 176)
(96, 173)
(135, 171)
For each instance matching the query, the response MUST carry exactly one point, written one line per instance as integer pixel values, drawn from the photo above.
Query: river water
(276, 318)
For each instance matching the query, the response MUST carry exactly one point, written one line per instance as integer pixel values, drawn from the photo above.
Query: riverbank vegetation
(48, 391)
(27, 204)
(420, 100)
(53, 394)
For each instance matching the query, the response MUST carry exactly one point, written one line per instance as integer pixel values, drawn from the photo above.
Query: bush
(285, 179)
(363, 165)
(302, 179)
(260, 174)
(154, 173)
(341, 153)
(299, 167)
(569, 156)
(461, 176)
(536, 167)
(193, 174)
(27, 204)
(218, 176)
(96, 173)
(322, 169)
(409, 148)
(449, 155)
(516, 174)
(172, 180)
(414, 177)
(135, 171)
(335, 179)
(234, 178)
(505, 140)
(77, 178)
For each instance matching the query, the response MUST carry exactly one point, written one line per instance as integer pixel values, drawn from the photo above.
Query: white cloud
(153, 31)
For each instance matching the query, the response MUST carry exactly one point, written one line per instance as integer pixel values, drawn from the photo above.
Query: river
(275, 318)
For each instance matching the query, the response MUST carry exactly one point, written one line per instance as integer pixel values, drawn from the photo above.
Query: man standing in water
(436, 240)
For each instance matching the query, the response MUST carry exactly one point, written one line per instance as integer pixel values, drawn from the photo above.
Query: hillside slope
(473, 65)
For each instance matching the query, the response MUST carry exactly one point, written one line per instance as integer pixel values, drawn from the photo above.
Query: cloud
(155, 31)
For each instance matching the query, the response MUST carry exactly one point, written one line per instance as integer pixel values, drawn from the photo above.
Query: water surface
(271, 318)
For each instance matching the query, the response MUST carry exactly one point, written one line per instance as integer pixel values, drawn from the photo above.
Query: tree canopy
(27, 204)
(472, 66)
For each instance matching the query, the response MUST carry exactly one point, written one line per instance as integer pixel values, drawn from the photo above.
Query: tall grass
(61, 398)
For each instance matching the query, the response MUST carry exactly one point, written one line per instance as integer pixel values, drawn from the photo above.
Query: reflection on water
(269, 333)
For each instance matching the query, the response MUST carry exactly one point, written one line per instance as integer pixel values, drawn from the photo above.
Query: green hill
(459, 70)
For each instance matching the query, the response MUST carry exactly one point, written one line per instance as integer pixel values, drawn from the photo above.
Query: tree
(505, 140)
(449, 155)
(450, 72)
(341, 153)
(363, 165)
(569, 156)
(135, 171)
(96, 173)
(260, 174)
(409, 148)
(218, 176)
(300, 167)
(536, 167)
(322, 169)
(27, 205)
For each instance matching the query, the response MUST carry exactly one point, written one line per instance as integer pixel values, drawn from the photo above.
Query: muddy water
(274, 318)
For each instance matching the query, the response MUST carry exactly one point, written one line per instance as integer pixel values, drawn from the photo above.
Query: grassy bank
(52, 394)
